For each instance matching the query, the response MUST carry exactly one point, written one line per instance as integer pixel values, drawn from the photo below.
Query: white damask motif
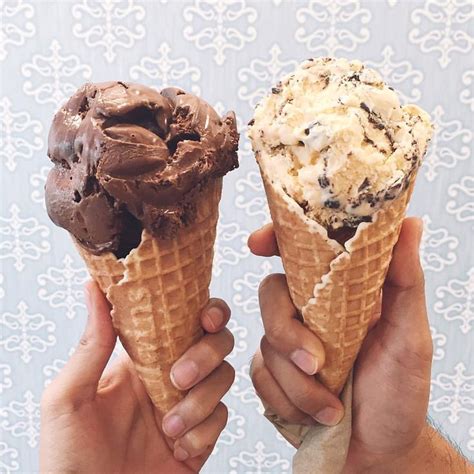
(328, 26)
(22, 419)
(15, 26)
(8, 459)
(20, 136)
(470, 443)
(2, 291)
(233, 431)
(259, 461)
(399, 74)
(261, 75)
(240, 335)
(62, 287)
(108, 24)
(165, 71)
(453, 393)
(5, 380)
(53, 75)
(22, 239)
(467, 95)
(456, 301)
(439, 341)
(450, 144)
(463, 192)
(28, 332)
(441, 26)
(436, 248)
(220, 25)
(50, 371)
(231, 246)
(246, 289)
(244, 390)
(38, 181)
(251, 198)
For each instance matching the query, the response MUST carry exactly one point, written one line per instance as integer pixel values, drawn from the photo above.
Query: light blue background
(230, 52)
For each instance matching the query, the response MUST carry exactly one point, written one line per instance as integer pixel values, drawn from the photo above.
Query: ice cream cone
(157, 293)
(335, 289)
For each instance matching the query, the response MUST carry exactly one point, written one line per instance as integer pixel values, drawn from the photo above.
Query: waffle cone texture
(335, 288)
(157, 293)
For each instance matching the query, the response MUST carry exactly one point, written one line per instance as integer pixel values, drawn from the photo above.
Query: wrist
(360, 460)
(429, 453)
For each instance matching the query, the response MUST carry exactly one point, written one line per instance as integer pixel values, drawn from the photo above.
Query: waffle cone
(157, 293)
(335, 288)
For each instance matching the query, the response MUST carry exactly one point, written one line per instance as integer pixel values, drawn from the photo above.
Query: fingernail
(180, 454)
(305, 361)
(173, 426)
(214, 318)
(329, 416)
(184, 374)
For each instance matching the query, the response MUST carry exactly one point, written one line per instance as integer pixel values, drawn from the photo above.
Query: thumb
(404, 316)
(79, 379)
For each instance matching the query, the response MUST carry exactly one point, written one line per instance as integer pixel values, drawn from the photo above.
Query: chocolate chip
(300, 143)
(276, 90)
(355, 77)
(332, 204)
(307, 130)
(364, 184)
(304, 205)
(252, 121)
(369, 140)
(365, 107)
(77, 196)
(323, 181)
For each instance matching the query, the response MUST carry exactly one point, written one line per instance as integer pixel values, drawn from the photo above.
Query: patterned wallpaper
(230, 51)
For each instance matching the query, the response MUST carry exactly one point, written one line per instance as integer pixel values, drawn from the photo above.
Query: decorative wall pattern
(231, 52)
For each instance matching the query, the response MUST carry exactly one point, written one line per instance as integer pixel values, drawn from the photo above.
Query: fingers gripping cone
(157, 293)
(335, 289)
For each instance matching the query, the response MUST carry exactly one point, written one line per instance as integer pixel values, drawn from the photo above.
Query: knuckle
(228, 373)
(223, 413)
(424, 351)
(255, 368)
(200, 411)
(276, 333)
(193, 443)
(268, 282)
(229, 341)
(264, 347)
(303, 398)
(255, 376)
(291, 414)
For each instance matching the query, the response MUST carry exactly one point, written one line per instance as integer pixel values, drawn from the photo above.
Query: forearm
(432, 454)
(435, 454)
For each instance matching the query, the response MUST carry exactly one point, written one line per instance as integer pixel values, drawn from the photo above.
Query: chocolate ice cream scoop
(128, 157)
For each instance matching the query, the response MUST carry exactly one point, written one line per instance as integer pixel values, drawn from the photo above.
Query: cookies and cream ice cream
(335, 137)
(127, 157)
